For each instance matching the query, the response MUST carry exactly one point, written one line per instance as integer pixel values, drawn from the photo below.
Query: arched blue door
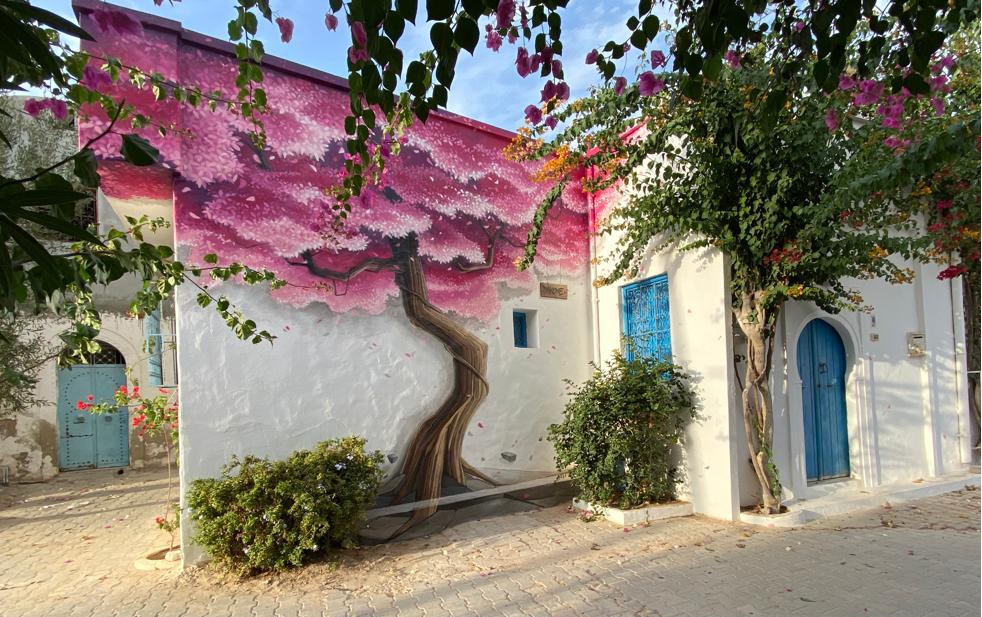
(822, 367)
(85, 439)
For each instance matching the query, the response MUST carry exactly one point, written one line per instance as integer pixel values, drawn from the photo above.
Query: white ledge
(635, 516)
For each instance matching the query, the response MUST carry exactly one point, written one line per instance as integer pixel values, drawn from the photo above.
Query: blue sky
(486, 86)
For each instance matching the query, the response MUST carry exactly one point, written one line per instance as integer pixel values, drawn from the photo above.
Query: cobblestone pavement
(67, 549)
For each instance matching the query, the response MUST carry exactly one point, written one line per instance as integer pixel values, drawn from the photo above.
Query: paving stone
(68, 547)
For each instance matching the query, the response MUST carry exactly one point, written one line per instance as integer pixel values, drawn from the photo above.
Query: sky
(486, 86)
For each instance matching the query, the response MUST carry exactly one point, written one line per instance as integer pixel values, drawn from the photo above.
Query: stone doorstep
(635, 516)
(805, 510)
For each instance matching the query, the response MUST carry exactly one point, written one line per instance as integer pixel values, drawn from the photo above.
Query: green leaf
(407, 9)
(39, 197)
(138, 151)
(210, 258)
(467, 34)
(437, 10)
(67, 228)
(441, 36)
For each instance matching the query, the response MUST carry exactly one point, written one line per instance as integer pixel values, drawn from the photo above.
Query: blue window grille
(646, 318)
(521, 326)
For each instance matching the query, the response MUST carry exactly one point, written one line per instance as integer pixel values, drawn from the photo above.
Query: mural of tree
(439, 235)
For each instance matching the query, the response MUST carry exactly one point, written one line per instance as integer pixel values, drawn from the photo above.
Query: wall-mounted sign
(915, 344)
(553, 290)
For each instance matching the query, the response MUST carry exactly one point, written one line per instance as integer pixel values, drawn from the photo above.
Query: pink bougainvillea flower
(522, 64)
(34, 107)
(546, 55)
(505, 13)
(109, 20)
(592, 55)
(493, 39)
(548, 91)
(358, 34)
(330, 21)
(733, 59)
(356, 55)
(557, 69)
(551, 122)
(846, 82)
(562, 91)
(895, 143)
(799, 26)
(870, 92)
(831, 119)
(620, 84)
(944, 204)
(286, 29)
(524, 14)
(657, 59)
(938, 83)
(649, 85)
(80, 405)
(533, 115)
(59, 109)
(512, 36)
(93, 77)
(535, 61)
(938, 105)
(952, 271)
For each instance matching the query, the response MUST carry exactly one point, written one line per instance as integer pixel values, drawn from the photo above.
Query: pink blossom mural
(439, 237)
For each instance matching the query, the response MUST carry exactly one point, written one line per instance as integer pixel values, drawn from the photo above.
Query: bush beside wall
(269, 515)
(621, 432)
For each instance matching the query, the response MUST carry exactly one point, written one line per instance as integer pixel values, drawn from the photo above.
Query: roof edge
(296, 69)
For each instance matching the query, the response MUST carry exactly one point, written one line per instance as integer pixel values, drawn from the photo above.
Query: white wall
(905, 414)
(330, 375)
(699, 312)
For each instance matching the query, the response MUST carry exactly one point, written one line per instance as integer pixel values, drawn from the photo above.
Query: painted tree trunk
(435, 449)
(758, 407)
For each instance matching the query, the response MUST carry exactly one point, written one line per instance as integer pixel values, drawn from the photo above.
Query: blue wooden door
(646, 318)
(85, 439)
(822, 367)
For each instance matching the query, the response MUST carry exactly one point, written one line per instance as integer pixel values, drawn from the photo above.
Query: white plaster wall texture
(905, 414)
(30, 445)
(329, 375)
(702, 344)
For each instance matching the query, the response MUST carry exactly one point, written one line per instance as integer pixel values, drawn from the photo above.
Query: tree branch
(371, 264)
(488, 262)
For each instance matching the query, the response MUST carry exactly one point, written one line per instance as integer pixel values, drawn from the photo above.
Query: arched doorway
(84, 439)
(822, 367)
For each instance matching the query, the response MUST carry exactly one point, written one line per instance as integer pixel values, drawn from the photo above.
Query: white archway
(861, 422)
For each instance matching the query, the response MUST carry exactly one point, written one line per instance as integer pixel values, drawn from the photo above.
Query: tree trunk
(970, 301)
(758, 406)
(435, 449)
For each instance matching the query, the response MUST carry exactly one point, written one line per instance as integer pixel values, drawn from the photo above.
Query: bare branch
(488, 262)
(371, 264)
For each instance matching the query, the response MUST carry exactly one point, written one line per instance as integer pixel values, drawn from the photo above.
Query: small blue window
(520, 322)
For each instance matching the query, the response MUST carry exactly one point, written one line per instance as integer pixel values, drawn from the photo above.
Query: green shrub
(263, 515)
(621, 429)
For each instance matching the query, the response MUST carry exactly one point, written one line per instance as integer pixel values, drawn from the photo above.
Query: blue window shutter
(153, 342)
(646, 318)
(520, 322)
